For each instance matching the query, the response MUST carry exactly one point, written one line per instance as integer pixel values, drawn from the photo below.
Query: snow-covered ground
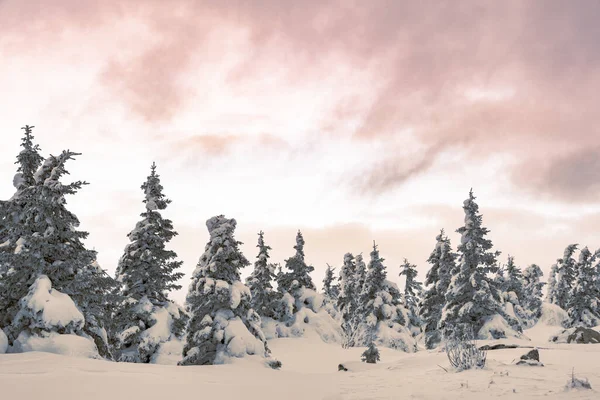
(309, 372)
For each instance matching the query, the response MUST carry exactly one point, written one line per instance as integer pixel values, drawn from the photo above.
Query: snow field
(309, 372)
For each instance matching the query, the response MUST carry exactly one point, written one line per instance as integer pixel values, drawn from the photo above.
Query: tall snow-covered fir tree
(11, 214)
(584, 301)
(361, 272)
(472, 299)
(532, 291)
(298, 272)
(437, 280)
(413, 289)
(223, 323)
(566, 268)
(331, 290)
(47, 244)
(514, 277)
(347, 300)
(147, 272)
(260, 281)
(551, 295)
(512, 291)
(380, 307)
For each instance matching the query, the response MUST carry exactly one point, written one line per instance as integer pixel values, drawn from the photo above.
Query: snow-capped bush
(150, 327)
(45, 309)
(49, 321)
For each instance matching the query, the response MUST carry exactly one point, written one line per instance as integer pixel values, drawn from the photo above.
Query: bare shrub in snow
(464, 354)
(576, 383)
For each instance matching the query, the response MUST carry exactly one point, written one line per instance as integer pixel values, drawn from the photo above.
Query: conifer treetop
(154, 199)
(29, 159)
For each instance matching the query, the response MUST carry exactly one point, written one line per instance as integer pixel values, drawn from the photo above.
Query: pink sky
(353, 121)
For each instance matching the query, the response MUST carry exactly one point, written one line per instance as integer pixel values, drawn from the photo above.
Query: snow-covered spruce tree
(347, 301)
(46, 242)
(223, 323)
(413, 290)
(11, 213)
(551, 295)
(532, 291)
(331, 290)
(147, 272)
(380, 307)
(295, 285)
(260, 281)
(361, 272)
(443, 262)
(567, 273)
(472, 301)
(584, 301)
(28, 161)
(512, 291)
(298, 272)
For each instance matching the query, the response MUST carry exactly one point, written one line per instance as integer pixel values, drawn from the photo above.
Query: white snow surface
(309, 372)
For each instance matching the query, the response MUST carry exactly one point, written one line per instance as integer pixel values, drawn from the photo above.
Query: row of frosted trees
(130, 317)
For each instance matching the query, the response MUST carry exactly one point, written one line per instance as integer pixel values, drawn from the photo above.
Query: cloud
(422, 63)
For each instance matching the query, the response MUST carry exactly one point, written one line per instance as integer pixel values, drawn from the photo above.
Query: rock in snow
(532, 359)
(577, 335)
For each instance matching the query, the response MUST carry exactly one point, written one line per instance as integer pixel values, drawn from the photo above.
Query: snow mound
(311, 315)
(395, 336)
(169, 353)
(496, 327)
(305, 320)
(52, 342)
(236, 338)
(3, 342)
(48, 309)
(553, 315)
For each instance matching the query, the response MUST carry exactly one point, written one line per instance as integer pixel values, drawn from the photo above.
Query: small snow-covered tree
(412, 288)
(147, 272)
(443, 262)
(552, 295)
(371, 354)
(380, 307)
(512, 291)
(331, 290)
(361, 272)
(532, 291)
(584, 300)
(223, 323)
(567, 270)
(472, 300)
(514, 277)
(260, 281)
(298, 272)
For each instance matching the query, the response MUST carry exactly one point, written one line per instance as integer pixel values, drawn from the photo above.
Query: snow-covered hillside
(310, 371)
